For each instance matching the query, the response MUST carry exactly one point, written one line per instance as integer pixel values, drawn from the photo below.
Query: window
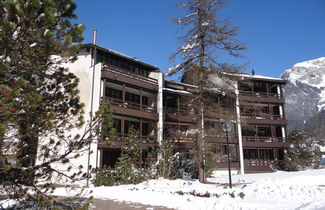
(144, 100)
(264, 131)
(132, 98)
(276, 110)
(245, 86)
(145, 129)
(266, 154)
(110, 157)
(250, 154)
(274, 89)
(117, 125)
(248, 131)
(232, 151)
(131, 124)
(170, 101)
(278, 131)
(113, 93)
(260, 87)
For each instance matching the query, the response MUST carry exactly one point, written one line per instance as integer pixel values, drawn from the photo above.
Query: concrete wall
(83, 69)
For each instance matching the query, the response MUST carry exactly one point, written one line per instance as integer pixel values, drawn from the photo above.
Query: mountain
(305, 94)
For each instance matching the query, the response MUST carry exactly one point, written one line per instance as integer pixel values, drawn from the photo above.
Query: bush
(183, 165)
(133, 166)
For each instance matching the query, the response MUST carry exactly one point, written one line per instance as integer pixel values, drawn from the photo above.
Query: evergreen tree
(39, 102)
(206, 36)
(304, 151)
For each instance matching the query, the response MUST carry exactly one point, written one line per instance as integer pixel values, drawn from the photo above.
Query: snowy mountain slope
(304, 92)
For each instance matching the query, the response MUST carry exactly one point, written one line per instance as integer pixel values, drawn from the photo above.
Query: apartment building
(159, 110)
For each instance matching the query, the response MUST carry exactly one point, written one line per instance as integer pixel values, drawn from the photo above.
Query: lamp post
(226, 127)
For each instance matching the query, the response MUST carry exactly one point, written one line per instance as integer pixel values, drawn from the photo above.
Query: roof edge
(121, 55)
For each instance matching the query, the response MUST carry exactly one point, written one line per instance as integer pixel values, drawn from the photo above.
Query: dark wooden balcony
(132, 109)
(263, 139)
(251, 118)
(221, 138)
(261, 97)
(258, 165)
(259, 141)
(223, 164)
(129, 78)
(181, 115)
(144, 141)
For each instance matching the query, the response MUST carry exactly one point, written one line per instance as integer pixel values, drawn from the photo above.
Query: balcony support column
(160, 123)
(281, 110)
(100, 158)
(279, 90)
(283, 131)
(103, 92)
(240, 138)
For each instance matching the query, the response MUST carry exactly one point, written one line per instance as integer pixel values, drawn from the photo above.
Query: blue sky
(277, 33)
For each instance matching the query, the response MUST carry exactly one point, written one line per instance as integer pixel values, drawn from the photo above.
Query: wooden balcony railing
(180, 112)
(260, 94)
(141, 139)
(263, 139)
(261, 116)
(126, 72)
(258, 162)
(130, 105)
(182, 140)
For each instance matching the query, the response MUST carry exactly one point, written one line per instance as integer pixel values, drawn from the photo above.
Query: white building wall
(83, 69)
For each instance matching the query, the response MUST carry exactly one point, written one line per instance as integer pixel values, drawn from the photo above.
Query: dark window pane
(145, 129)
(144, 100)
(131, 125)
(264, 131)
(113, 93)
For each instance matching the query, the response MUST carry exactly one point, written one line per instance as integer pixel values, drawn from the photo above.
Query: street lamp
(226, 127)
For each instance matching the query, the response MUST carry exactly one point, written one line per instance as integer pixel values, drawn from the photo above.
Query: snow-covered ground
(280, 190)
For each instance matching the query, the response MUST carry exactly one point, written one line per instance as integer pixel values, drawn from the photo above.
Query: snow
(46, 31)
(311, 63)
(312, 73)
(176, 91)
(322, 148)
(189, 47)
(173, 69)
(272, 191)
(256, 77)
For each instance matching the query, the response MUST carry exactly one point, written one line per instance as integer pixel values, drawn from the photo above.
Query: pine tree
(206, 36)
(39, 102)
(304, 151)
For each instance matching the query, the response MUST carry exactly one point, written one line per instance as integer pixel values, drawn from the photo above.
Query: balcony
(130, 105)
(144, 141)
(179, 115)
(129, 78)
(261, 97)
(258, 165)
(253, 118)
(132, 109)
(261, 141)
